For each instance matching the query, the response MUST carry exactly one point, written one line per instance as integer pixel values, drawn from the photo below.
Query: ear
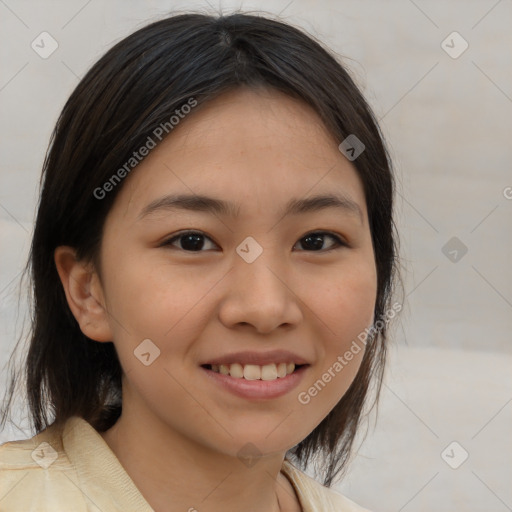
(84, 294)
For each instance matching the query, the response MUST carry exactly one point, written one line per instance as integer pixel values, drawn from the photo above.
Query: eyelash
(339, 241)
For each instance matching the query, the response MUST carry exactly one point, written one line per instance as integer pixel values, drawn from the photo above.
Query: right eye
(190, 241)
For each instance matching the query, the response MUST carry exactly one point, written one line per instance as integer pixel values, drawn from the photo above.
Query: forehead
(254, 148)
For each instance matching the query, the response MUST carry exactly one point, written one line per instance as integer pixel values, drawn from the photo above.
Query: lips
(257, 389)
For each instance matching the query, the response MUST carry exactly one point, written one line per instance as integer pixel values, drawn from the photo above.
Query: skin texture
(179, 434)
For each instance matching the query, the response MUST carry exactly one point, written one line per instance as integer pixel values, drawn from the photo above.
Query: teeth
(236, 370)
(251, 372)
(269, 372)
(281, 370)
(254, 371)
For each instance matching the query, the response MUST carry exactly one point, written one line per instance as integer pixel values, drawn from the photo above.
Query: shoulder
(317, 497)
(34, 471)
(63, 469)
(35, 454)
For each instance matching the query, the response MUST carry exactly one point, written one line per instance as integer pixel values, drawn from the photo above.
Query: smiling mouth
(267, 372)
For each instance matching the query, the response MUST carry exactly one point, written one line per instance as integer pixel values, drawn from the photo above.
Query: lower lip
(258, 389)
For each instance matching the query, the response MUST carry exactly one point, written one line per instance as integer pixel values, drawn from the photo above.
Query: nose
(260, 294)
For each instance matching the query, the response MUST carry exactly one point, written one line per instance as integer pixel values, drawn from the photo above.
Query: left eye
(191, 241)
(315, 238)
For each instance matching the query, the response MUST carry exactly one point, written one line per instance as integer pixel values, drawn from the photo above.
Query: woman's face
(249, 283)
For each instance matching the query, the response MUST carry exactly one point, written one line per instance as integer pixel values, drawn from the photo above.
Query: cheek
(147, 299)
(345, 309)
(161, 303)
(346, 306)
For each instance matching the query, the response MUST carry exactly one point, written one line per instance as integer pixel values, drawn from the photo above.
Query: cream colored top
(77, 471)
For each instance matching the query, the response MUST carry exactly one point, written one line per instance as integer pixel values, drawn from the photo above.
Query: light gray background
(448, 123)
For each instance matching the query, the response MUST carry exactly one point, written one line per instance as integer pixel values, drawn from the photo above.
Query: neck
(174, 473)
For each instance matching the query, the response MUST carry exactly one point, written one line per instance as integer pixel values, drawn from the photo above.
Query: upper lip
(258, 358)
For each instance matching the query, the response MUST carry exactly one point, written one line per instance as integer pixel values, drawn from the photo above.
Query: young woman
(213, 263)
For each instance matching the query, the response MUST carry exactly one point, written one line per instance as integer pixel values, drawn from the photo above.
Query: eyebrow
(296, 206)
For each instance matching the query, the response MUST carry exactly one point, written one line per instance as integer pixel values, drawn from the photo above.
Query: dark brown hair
(137, 85)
